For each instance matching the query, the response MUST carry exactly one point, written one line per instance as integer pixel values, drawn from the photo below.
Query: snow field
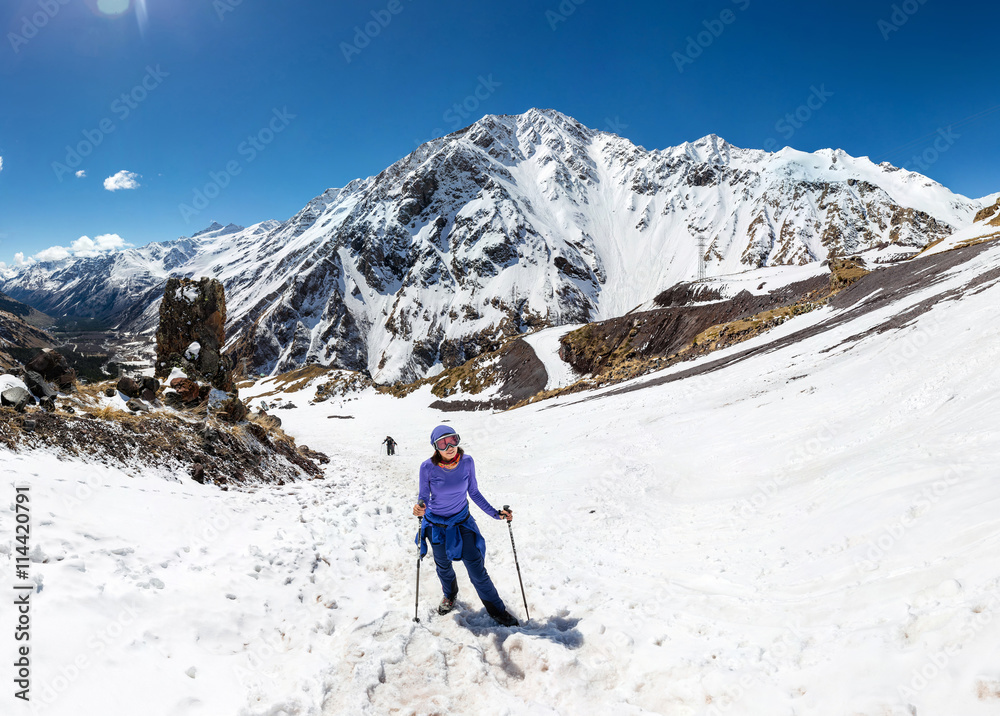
(813, 530)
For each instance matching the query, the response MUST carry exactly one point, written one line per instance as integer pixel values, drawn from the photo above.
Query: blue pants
(476, 568)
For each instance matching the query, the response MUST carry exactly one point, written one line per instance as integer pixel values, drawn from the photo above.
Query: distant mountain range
(512, 222)
(20, 327)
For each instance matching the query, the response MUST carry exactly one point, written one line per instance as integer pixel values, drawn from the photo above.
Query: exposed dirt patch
(988, 689)
(519, 374)
(870, 293)
(606, 348)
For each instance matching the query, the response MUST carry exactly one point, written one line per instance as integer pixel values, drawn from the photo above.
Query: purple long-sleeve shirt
(444, 490)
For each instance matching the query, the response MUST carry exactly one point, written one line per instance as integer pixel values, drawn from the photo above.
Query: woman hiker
(445, 480)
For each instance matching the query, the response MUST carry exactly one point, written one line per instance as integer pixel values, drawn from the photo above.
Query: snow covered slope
(510, 223)
(812, 530)
(986, 227)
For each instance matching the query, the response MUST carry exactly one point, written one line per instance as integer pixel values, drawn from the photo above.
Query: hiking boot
(505, 619)
(446, 605)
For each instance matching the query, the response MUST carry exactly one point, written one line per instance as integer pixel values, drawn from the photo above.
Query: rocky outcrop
(216, 454)
(48, 374)
(990, 214)
(232, 410)
(38, 386)
(600, 347)
(54, 368)
(192, 331)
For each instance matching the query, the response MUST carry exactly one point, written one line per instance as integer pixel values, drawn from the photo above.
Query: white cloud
(7, 270)
(122, 180)
(53, 253)
(1, 164)
(81, 174)
(84, 247)
(105, 243)
(110, 242)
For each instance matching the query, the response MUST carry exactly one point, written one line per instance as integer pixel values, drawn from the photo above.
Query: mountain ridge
(513, 222)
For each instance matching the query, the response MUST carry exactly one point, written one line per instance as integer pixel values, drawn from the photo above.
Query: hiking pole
(506, 508)
(416, 601)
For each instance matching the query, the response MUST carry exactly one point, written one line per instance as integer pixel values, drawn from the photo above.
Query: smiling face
(447, 447)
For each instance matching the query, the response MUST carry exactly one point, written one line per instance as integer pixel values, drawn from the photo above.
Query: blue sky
(281, 100)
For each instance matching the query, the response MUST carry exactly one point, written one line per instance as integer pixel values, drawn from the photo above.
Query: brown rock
(66, 382)
(53, 368)
(129, 387)
(50, 365)
(232, 410)
(186, 388)
(194, 312)
(268, 421)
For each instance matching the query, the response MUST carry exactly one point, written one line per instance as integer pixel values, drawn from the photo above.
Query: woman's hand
(507, 515)
(419, 510)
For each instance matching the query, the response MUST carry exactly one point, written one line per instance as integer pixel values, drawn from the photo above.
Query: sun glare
(113, 8)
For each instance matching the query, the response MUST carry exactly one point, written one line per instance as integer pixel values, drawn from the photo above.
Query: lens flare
(141, 16)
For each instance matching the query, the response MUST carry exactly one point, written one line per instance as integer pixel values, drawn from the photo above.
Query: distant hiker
(445, 480)
(390, 445)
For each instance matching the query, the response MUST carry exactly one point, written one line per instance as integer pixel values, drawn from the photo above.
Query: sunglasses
(446, 442)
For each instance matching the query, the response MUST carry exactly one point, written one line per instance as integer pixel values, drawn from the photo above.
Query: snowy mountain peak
(216, 229)
(514, 222)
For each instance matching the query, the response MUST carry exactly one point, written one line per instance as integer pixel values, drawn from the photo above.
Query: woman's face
(449, 453)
